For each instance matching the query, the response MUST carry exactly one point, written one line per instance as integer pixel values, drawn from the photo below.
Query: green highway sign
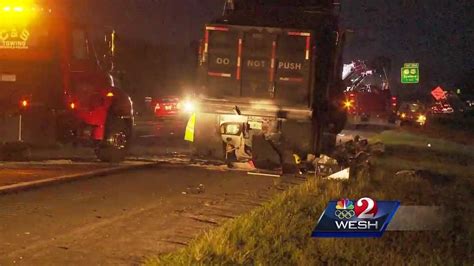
(412, 65)
(411, 73)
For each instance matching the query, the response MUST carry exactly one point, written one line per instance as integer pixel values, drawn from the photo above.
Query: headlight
(189, 106)
(421, 119)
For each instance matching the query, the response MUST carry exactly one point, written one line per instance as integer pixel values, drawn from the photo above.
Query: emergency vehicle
(55, 86)
(369, 99)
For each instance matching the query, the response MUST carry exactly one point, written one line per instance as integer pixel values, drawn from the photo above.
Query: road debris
(263, 174)
(427, 175)
(325, 165)
(406, 173)
(351, 157)
(195, 190)
(341, 175)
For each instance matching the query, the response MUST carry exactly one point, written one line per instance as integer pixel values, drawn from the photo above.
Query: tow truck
(270, 71)
(54, 84)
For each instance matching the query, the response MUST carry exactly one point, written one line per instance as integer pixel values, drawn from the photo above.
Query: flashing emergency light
(421, 119)
(73, 106)
(17, 12)
(348, 104)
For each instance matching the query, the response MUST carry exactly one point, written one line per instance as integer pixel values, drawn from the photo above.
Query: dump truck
(55, 87)
(270, 73)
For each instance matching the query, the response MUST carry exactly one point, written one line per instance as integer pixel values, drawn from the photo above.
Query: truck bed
(259, 63)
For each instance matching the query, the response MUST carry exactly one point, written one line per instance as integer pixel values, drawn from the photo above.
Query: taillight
(394, 101)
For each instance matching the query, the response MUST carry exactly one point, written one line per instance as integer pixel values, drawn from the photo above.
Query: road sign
(438, 93)
(410, 73)
(412, 65)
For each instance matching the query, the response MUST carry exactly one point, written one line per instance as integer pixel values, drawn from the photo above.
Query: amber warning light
(20, 11)
(24, 104)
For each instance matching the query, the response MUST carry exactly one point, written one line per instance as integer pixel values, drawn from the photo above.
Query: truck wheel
(115, 146)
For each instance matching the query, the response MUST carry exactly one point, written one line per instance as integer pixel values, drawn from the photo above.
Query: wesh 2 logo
(365, 218)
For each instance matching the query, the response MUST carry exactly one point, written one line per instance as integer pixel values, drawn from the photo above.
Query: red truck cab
(368, 98)
(53, 86)
(371, 105)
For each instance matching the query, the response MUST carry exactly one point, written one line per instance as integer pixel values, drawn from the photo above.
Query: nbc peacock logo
(355, 218)
(344, 209)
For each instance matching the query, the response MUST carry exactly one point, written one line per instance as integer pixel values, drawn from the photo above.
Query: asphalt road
(160, 137)
(151, 138)
(122, 218)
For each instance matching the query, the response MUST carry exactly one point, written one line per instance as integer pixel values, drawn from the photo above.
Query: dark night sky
(436, 33)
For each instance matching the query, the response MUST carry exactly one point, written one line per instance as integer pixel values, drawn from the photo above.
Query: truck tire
(115, 146)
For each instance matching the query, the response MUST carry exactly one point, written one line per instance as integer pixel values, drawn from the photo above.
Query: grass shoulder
(279, 231)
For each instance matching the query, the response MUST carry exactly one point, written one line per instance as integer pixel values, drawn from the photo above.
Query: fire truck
(270, 70)
(368, 98)
(56, 85)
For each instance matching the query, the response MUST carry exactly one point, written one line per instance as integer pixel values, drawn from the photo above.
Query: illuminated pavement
(123, 218)
(154, 141)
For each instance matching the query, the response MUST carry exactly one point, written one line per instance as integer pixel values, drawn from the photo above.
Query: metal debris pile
(349, 160)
